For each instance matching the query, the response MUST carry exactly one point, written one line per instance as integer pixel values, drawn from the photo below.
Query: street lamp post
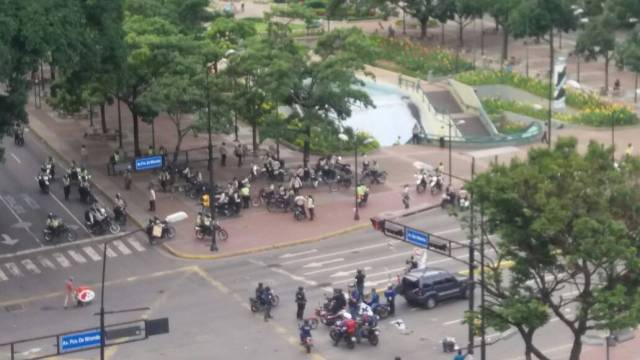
(526, 48)
(212, 192)
(172, 218)
(460, 122)
(343, 137)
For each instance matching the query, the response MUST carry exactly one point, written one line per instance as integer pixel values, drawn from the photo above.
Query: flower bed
(593, 110)
(416, 60)
(497, 106)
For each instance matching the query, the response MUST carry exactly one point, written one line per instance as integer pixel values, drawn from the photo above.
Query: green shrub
(316, 4)
(495, 106)
(325, 140)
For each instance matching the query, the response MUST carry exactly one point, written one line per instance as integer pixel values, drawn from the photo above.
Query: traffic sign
(79, 341)
(416, 237)
(149, 162)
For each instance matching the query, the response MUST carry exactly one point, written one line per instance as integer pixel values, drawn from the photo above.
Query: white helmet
(346, 315)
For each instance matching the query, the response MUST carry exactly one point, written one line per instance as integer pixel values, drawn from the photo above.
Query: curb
(188, 256)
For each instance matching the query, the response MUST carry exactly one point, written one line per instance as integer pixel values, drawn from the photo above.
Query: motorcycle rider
(43, 179)
(260, 293)
(268, 303)
(390, 296)
(374, 299)
(354, 300)
(51, 167)
(245, 195)
(347, 327)
(338, 302)
(305, 331)
(53, 223)
(120, 207)
(66, 185)
(296, 184)
(463, 198)
(18, 133)
(362, 192)
(365, 163)
(299, 202)
(412, 262)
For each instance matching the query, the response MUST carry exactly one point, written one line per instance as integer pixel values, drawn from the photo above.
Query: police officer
(301, 301)
(390, 295)
(66, 182)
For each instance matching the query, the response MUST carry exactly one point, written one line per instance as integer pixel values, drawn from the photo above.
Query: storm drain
(13, 308)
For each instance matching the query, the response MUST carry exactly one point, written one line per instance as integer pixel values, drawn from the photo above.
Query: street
(207, 303)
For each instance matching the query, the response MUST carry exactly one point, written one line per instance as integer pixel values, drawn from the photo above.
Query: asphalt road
(24, 208)
(206, 302)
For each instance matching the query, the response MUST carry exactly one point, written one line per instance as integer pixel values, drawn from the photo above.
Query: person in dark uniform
(301, 301)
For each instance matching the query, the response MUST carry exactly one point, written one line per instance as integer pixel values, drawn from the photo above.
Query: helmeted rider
(305, 331)
(260, 293)
(120, 206)
(299, 202)
(53, 222)
(338, 302)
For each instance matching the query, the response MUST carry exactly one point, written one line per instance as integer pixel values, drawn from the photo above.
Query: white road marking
(29, 265)
(122, 247)
(322, 263)
(335, 253)
(20, 220)
(13, 268)
(350, 272)
(3, 277)
(45, 262)
(448, 231)
(110, 252)
(31, 202)
(453, 322)
(92, 253)
(70, 213)
(76, 256)
(61, 260)
(289, 255)
(16, 158)
(136, 244)
(353, 265)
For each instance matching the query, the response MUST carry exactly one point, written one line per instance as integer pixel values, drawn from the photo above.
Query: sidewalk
(627, 350)
(256, 229)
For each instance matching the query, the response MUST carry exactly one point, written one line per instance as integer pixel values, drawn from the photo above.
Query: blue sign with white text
(415, 237)
(78, 341)
(149, 162)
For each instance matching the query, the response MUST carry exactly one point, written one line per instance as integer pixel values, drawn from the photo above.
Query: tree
(424, 10)
(628, 53)
(598, 40)
(178, 93)
(570, 225)
(501, 11)
(465, 12)
(326, 87)
(188, 16)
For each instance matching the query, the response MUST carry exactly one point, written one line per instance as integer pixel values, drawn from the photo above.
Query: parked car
(430, 286)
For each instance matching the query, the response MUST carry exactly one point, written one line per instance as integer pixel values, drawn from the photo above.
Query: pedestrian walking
(311, 207)
(66, 182)
(152, 198)
(405, 197)
(301, 301)
(390, 295)
(84, 156)
(222, 149)
(68, 290)
(360, 282)
(237, 151)
(127, 178)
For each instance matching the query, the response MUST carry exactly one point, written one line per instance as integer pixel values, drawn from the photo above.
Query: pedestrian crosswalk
(43, 263)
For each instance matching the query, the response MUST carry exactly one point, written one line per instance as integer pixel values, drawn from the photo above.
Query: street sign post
(149, 163)
(79, 341)
(416, 237)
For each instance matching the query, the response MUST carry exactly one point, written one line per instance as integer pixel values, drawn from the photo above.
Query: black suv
(427, 287)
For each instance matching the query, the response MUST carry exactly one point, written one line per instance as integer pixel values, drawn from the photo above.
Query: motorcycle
(100, 227)
(375, 176)
(339, 331)
(308, 343)
(362, 200)
(328, 318)
(228, 209)
(299, 213)
(203, 230)
(43, 182)
(371, 333)
(160, 230)
(278, 204)
(264, 196)
(18, 138)
(344, 181)
(435, 184)
(382, 310)
(257, 306)
(120, 215)
(421, 183)
(62, 231)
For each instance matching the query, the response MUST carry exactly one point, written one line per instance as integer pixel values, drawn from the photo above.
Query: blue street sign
(416, 237)
(149, 162)
(78, 341)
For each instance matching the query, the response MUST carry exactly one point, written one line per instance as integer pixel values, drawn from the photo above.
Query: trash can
(442, 142)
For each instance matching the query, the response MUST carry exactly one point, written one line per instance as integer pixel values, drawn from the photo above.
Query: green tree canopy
(598, 40)
(570, 223)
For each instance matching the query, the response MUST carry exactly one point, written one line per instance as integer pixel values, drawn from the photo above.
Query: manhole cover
(274, 265)
(12, 308)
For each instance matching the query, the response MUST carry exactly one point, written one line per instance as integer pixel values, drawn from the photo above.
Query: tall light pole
(173, 218)
(343, 137)
(212, 191)
(451, 124)
(471, 257)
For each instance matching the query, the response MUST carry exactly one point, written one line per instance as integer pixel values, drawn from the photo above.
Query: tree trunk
(423, 28)
(442, 35)
(103, 119)
(505, 44)
(176, 151)
(606, 73)
(136, 139)
(254, 137)
(461, 33)
(576, 349)
(306, 149)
